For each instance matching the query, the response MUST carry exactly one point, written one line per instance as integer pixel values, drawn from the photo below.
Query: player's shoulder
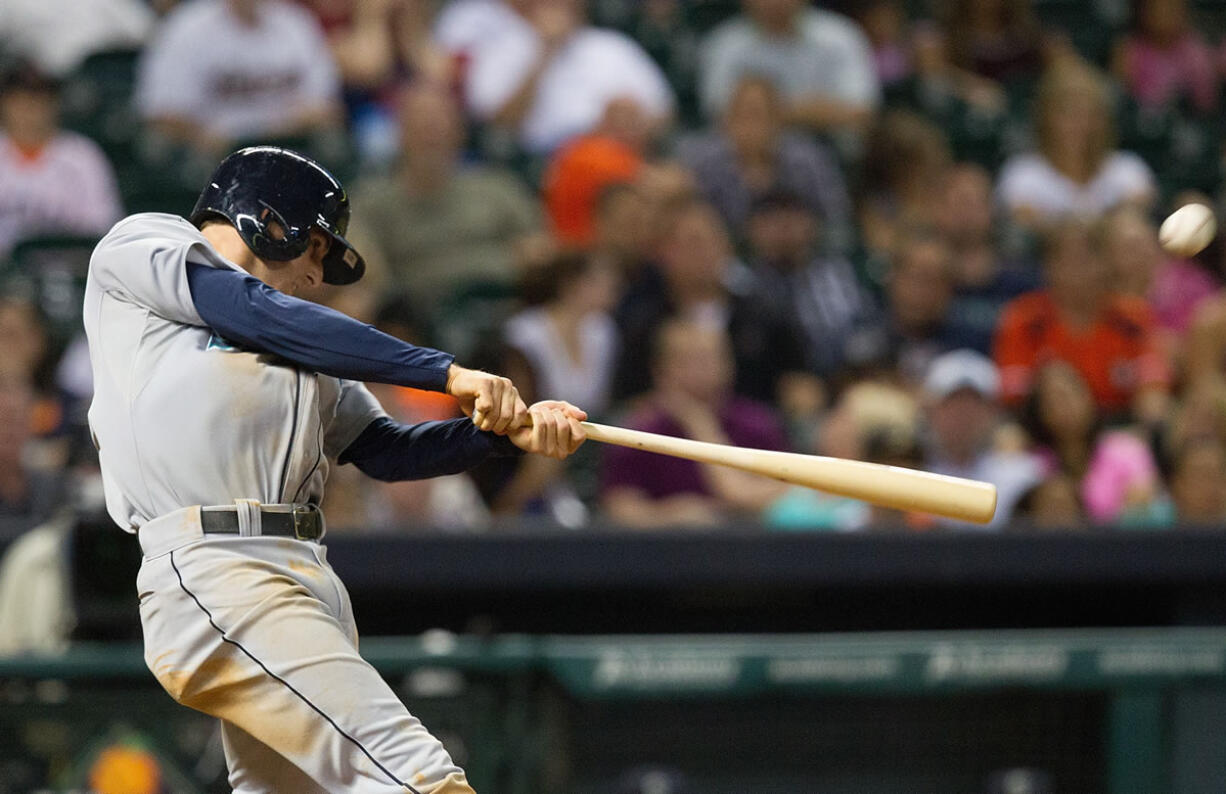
(148, 226)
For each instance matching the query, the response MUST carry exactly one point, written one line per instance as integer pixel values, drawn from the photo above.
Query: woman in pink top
(1163, 59)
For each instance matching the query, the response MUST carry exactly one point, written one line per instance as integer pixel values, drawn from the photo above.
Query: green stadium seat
(51, 269)
(97, 101)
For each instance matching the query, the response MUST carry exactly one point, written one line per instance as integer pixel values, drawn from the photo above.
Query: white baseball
(1187, 230)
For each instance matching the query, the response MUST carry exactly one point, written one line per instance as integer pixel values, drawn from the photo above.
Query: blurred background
(917, 232)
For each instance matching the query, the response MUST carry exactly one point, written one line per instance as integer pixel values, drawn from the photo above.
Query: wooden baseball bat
(889, 486)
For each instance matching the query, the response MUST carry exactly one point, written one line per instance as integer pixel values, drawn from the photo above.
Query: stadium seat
(51, 269)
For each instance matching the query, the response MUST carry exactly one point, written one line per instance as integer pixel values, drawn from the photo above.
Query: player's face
(297, 275)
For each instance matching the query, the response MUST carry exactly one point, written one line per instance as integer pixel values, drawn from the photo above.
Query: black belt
(304, 522)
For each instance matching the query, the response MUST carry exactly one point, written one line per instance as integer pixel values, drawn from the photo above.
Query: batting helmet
(260, 185)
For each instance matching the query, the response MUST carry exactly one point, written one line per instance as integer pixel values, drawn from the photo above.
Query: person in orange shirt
(1107, 337)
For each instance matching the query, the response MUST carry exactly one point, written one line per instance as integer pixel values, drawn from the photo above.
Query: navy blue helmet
(260, 185)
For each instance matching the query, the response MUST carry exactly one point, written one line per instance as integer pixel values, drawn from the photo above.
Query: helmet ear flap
(271, 237)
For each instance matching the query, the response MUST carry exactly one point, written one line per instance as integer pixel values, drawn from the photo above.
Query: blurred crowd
(919, 233)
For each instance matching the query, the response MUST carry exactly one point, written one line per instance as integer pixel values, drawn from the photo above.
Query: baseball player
(221, 402)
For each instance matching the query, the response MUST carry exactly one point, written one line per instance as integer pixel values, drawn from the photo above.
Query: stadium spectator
(1199, 414)
(581, 169)
(435, 224)
(621, 215)
(701, 281)
(1107, 337)
(1196, 483)
(906, 159)
(751, 153)
(464, 26)
(820, 61)
(962, 411)
(59, 34)
(563, 345)
(29, 494)
(819, 290)
(985, 278)
(378, 45)
(51, 180)
(1163, 61)
(996, 39)
(1075, 169)
(1174, 288)
(1051, 504)
(1116, 474)
(565, 341)
(219, 71)
(870, 421)
(549, 76)
(885, 25)
(692, 397)
(919, 289)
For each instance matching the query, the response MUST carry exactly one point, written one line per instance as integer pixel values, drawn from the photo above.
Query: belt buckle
(298, 514)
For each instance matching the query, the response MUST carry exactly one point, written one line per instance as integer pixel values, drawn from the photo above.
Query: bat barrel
(888, 486)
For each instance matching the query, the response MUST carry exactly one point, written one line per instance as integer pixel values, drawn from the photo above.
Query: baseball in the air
(1187, 230)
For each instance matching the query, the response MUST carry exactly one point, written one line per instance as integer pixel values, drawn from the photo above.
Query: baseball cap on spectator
(962, 369)
(575, 179)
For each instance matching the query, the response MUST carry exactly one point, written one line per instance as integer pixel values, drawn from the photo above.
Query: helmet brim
(342, 264)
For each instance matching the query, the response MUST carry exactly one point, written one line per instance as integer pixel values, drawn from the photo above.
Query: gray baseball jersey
(216, 423)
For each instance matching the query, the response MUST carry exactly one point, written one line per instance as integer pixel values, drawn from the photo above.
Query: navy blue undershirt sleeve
(390, 451)
(247, 312)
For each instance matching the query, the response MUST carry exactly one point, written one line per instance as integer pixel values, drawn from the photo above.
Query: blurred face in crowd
(1065, 404)
(30, 116)
(1055, 505)
(752, 118)
(1073, 119)
(625, 120)
(783, 237)
(16, 416)
(962, 423)
(920, 285)
(1202, 411)
(1074, 272)
(431, 129)
(695, 360)
(621, 216)
(776, 16)
(1199, 483)
(694, 251)
(595, 288)
(964, 205)
(1131, 251)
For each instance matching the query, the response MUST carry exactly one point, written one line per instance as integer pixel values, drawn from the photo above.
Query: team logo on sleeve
(217, 343)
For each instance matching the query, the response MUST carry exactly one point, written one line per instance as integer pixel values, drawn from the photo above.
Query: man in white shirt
(224, 70)
(548, 75)
(962, 407)
(820, 62)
